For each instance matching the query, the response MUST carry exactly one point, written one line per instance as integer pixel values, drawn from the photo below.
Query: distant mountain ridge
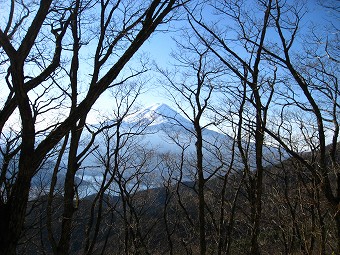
(157, 114)
(163, 124)
(165, 131)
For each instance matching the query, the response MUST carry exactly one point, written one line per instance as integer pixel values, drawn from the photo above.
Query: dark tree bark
(33, 152)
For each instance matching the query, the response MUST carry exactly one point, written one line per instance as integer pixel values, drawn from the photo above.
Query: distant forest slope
(296, 218)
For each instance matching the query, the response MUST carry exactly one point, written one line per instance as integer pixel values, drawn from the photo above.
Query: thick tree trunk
(13, 207)
(66, 228)
(201, 182)
(13, 217)
(337, 220)
(14, 211)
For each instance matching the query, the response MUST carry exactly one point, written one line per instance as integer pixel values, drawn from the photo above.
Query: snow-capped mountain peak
(156, 114)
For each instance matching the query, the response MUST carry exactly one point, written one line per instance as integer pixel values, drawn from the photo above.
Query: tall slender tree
(37, 40)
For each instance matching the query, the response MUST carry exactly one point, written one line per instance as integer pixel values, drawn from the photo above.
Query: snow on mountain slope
(165, 128)
(157, 114)
(164, 131)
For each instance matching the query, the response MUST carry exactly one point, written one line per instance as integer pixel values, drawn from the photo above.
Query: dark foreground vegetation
(263, 72)
(295, 218)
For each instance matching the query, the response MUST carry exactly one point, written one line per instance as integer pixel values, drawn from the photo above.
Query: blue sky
(161, 44)
(159, 47)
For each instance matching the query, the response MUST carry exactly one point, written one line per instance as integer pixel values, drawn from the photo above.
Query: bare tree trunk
(12, 211)
(201, 183)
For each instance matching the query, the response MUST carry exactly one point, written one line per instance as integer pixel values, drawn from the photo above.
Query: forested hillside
(246, 160)
(295, 218)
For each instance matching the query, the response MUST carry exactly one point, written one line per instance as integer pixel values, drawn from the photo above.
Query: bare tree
(192, 95)
(257, 89)
(315, 76)
(30, 31)
(287, 92)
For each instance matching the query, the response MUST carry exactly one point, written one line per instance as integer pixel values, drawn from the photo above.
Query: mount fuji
(158, 114)
(154, 142)
(162, 133)
(166, 129)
